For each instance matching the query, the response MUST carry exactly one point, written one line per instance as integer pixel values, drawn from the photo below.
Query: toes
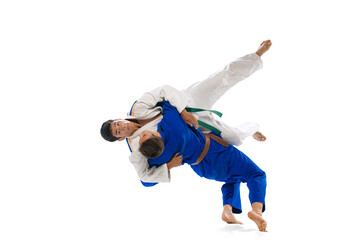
(263, 227)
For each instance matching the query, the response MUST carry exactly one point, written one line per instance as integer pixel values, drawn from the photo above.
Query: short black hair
(152, 147)
(106, 132)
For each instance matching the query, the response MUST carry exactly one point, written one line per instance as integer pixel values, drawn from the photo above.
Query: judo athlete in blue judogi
(210, 157)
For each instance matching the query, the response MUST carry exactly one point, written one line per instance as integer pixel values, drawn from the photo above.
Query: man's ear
(121, 139)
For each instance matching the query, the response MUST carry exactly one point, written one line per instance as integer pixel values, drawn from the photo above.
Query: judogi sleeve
(147, 174)
(145, 106)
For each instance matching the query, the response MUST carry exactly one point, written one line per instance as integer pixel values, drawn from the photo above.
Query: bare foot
(259, 136)
(228, 216)
(264, 47)
(258, 219)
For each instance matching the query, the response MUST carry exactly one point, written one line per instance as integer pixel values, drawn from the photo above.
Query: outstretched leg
(256, 215)
(204, 94)
(228, 216)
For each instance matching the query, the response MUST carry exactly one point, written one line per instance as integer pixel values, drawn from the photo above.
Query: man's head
(119, 129)
(151, 144)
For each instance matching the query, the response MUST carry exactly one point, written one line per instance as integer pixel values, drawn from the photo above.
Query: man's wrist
(183, 112)
(168, 165)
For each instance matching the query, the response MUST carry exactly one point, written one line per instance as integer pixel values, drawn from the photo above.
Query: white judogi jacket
(202, 94)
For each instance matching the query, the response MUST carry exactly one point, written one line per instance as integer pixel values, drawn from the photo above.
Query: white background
(68, 66)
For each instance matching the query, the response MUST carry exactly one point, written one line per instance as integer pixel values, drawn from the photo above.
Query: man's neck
(137, 123)
(133, 120)
(146, 121)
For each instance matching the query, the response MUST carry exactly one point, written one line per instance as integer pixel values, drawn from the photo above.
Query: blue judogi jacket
(177, 137)
(185, 139)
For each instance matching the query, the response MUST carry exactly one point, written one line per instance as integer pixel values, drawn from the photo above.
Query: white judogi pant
(206, 93)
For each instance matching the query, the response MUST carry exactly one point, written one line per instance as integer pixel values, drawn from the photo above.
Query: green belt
(203, 124)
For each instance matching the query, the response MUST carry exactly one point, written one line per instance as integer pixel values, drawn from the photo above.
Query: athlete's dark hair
(152, 147)
(106, 133)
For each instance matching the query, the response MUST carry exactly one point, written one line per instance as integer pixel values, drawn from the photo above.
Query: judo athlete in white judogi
(145, 115)
(210, 157)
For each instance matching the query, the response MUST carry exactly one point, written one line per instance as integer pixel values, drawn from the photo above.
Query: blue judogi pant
(230, 165)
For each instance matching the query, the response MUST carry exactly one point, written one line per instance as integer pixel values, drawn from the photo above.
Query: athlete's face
(122, 129)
